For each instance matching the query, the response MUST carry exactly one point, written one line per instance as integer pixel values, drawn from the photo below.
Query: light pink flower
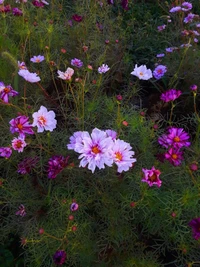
(76, 141)
(37, 59)
(44, 120)
(67, 75)
(142, 72)
(18, 144)
(28, 76)
(152, 177)
(122, 155)
(103, 68)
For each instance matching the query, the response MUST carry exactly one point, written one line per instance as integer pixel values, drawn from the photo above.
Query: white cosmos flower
(142, 72)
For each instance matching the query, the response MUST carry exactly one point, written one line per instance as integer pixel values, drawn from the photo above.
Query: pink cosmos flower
(77, 18)
(103, 68)
(6, 91)
(76, 141)
(170, 95)
(142, 72)
(28, 76)
(21, 125)
(18, 144)
(55, 165)
(21, 212)
(177, 137)
(95, 151)
(159, 71)
(175, 9)
(22, 65)
(122, 155)
(44, 120)
(152, 177)
(163, 141)
(67, 75)
(189, 18)
(5, 152)
(161, 28)
(76, 63)
(17, 12)
(186, 6)
(5, 9)
(174, 156)
(37, 59)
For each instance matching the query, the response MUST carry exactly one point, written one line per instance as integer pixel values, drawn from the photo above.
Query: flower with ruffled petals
(195, 225)
(5, 152)
(6, 91)
(44, 120)
(37, 59)
(152, 177)
(59, 257)
(55, 165)
(103, 68)
(28, 76)
(170, 95)
(159, 71)
(177, 137)
(67, 75)
(142, 72)
(174, 156)
(18, 144)
(21, 125)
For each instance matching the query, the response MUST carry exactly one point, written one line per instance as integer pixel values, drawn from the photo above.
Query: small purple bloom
(21, 212)
(170, 95)
(159, 71)
(174, 156)
(74, 206)
(193, 87)
(189, 18)
(37, 59)
(59, 257)
(195, 225)
(160, 55)
(161, 28)
(55, 165)
(175, 9)
(21, 125)
(25, 166)
(17, 12)
(76, 63)
(6, 91)
(103, 68)
(5, 152)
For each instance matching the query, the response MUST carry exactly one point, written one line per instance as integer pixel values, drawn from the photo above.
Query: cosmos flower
(25, 166)
(37, 59)
(67, 75)
(5, 152)
(76, 141)
(18, 144)
(17, 12)
(55, 165)
(77, 18)
(111, 133)
(28, 76)
(142, 72)
(40, 3)
(122, 155)
(6, 91)
(161, 28)
(76, 63)
(21, 212)
(189, 18)
(170, 95)
(195, 225)
(21, 125)
(152, 177)
(160, 55)
(193, 87)
(186, 6)
(5, 9)
(174, 156)
(177, 137)
(103, 68)
(74, 206)
(44, 120)
(175, 9)
(59, 257)
(159, 71)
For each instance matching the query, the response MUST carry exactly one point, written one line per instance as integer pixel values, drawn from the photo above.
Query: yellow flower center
(176, 139)
(174, 156)
(141, 73)
(42, 120)
(19, 144)
(118, 156)
(19, 126)
(6, 90)
(95, 150)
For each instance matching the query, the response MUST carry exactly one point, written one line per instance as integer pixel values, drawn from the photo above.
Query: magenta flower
(177, 137)
(174, 156)
(5, 9)
(152, 177)
(40, 3)
(170, 95)
(163, 141)
(77, 18)
(25, 166)
(44, 120)
(124, 4)
(159, 71)
(195, 225)
(103, 68)
(189, 18)
(122, 155)
(37, 59)
(55, 165)
(19, 144)
(76, 141)
(17, 12)
(161, 28)
(193, 87)
(28, 76)
(21, 212)
(5, 152)
(74, 206)
(76, 63)
(6, 91)
(21, 125)
(95, 151)
(59, 257)
(67, 75)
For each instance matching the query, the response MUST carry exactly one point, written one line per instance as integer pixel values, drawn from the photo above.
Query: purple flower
(193, 87)
(76, 63)
(37, 59)
(59, 257)
(40, 3)
(185, 45)
(112, 134)
(22, 65)
(17, 12)
(186, 6)
(44, 120)
(25, 166)
(174, 156)
(55, 165)
(77, 18)
(170, 95)
(124, 4)
(161, 28)
(28, 76)
(152, 177)
(177, 137)
(159, 71)
(5, 152)
(160, 55)
(170, 49)
(21, 212)
(6, 91)
(74, 206)
(21, 125)
(195, 225)
(76, 141)
(110, 2)
(175, 9)
(189, 18)
(103, 68)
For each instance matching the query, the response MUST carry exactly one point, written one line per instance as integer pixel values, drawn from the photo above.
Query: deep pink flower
(195, 225)
(17, 12)
(18, 144)
(5, 152)
(6, 91)
(74, 206)
(77, 18)
(40, 3)
(177, 137)
(55, 165)
(21, 125)
(21, 212)
(25, 166)
(152, 177)
(5, 9)
(170, 95)
(76, 63)
(124, 4)
(193, 87)
(174, 156)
